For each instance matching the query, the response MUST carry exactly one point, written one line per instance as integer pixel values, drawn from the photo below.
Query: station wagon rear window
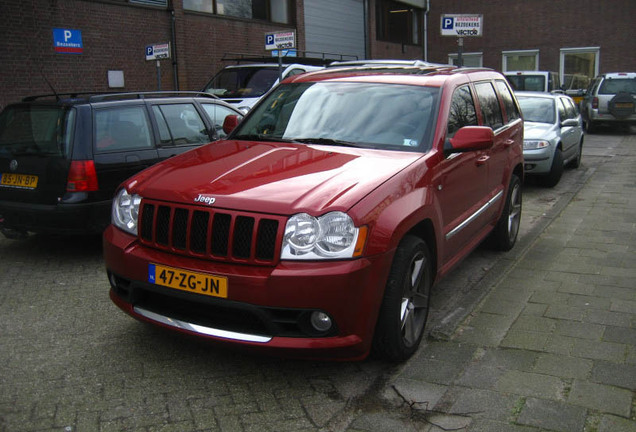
(36, 130)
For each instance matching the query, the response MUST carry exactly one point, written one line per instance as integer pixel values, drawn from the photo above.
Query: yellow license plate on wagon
(184, 280)
(624, 105)
(25, 181)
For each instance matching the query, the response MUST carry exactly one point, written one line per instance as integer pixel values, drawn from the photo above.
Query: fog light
(320, 321)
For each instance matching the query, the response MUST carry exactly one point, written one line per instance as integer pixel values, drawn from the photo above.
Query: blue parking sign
(68, 41)
(447, 23)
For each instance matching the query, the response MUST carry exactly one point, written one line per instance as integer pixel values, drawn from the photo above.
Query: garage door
(335, 26)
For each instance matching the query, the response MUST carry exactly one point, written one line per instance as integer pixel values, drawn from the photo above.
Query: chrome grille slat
(210, 233)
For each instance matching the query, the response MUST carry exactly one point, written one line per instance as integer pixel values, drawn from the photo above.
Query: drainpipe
(425, 47)
(173, 36)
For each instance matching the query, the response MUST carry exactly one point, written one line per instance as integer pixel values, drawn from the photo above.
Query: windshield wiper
(262, 137)
(327, 141)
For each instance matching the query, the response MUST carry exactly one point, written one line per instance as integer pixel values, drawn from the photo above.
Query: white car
(552, 135)
(243, 85)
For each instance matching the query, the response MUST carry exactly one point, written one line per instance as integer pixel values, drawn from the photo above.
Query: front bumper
(267, 308)
(538, 161)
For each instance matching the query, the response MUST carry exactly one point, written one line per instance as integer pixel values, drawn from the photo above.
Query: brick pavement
(553, 344)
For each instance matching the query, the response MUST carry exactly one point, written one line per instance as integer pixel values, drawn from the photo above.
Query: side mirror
(570, 123)
(471, 138)
(230, 123)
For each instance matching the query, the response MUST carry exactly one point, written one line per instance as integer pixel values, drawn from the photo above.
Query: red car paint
(441, 195)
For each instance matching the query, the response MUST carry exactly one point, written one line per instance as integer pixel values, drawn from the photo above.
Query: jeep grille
(211, 233)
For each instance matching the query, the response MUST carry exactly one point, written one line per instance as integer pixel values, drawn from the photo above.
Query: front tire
(556, 171)
(405, 306)
(504, 236)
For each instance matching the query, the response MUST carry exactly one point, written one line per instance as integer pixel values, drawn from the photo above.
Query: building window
(468, 59)
(398, 23)
(578, 62)
(161, 3)
(277, 11)
(520, 60)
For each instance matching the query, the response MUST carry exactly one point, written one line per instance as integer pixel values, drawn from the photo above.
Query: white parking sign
(282, 40)
(462, 25)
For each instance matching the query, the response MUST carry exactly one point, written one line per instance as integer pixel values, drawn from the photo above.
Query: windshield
(375, 115)
(34, 130)
(539, 110)
(242, 82)
(613, 86)
(527, 82)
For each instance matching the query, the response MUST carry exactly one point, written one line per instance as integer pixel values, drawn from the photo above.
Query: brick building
(570, 36)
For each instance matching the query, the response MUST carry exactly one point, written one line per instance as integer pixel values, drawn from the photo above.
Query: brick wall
(114, 36)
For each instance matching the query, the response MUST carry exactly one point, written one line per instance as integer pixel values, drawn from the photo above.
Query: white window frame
(455, 56)
(595, 50)
(505, 54)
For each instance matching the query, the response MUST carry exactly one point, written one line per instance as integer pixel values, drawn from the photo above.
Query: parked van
(243, 85)
(542, 81)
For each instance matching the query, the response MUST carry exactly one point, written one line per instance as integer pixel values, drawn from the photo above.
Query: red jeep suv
(318, 227)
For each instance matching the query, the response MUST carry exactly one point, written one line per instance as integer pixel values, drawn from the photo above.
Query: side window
(182, 123)
(561, 110)
(217, 114)
(293, 72)
(509, 103)
(122, 128)
(490, 108)
(570, 109)
(462, 110)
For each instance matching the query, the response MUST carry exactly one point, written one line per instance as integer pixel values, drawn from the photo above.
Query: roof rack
(105, 96)
(311, 58)
(148, 94)
(386, 62)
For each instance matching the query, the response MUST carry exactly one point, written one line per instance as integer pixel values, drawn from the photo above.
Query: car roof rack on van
(149, 94)
(309, 58)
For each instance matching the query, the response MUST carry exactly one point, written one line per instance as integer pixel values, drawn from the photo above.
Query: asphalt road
(71, 361)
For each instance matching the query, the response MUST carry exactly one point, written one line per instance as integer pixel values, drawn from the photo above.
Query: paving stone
(615, 374)
(532, 341)
(611, 423)
(563, 366)
(620, 335)
(483, 403)
(530, 384)
(608, 351)
(601, 398)
(580, 330)
(548, 414)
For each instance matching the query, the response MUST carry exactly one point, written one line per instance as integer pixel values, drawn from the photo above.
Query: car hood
(278, 178)
(532, 130)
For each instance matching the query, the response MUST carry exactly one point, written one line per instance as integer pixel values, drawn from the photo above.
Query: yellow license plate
(185, 280)
(624, 105)
(19, 180)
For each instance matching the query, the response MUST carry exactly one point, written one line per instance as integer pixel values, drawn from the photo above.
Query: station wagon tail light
(82, 177)
(595, 103)
(535, 144)
(331, 236)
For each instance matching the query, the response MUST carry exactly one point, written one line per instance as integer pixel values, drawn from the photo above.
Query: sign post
(280, 41)
(158, 52)
(461, 26)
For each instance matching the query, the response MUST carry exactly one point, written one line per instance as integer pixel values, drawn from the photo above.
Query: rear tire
(504, 236)
(405, 306)
(590, 127)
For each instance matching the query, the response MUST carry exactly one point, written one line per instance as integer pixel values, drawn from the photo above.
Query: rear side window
(122, 128)
(462, 110)
(509, 102)
(490, 108)
(217, 114)
(527, 82)
(180, 124)
(36, 130)
(613, 86)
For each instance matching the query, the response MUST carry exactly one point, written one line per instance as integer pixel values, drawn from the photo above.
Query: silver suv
(610, 99)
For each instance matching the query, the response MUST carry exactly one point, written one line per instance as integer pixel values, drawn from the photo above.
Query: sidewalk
(553, 344)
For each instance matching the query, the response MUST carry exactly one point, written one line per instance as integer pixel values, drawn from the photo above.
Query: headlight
(327, 237)
(126, 211)
(535, 144)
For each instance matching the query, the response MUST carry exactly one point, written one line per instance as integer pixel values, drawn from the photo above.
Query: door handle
(508, 142)
(482, 160)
